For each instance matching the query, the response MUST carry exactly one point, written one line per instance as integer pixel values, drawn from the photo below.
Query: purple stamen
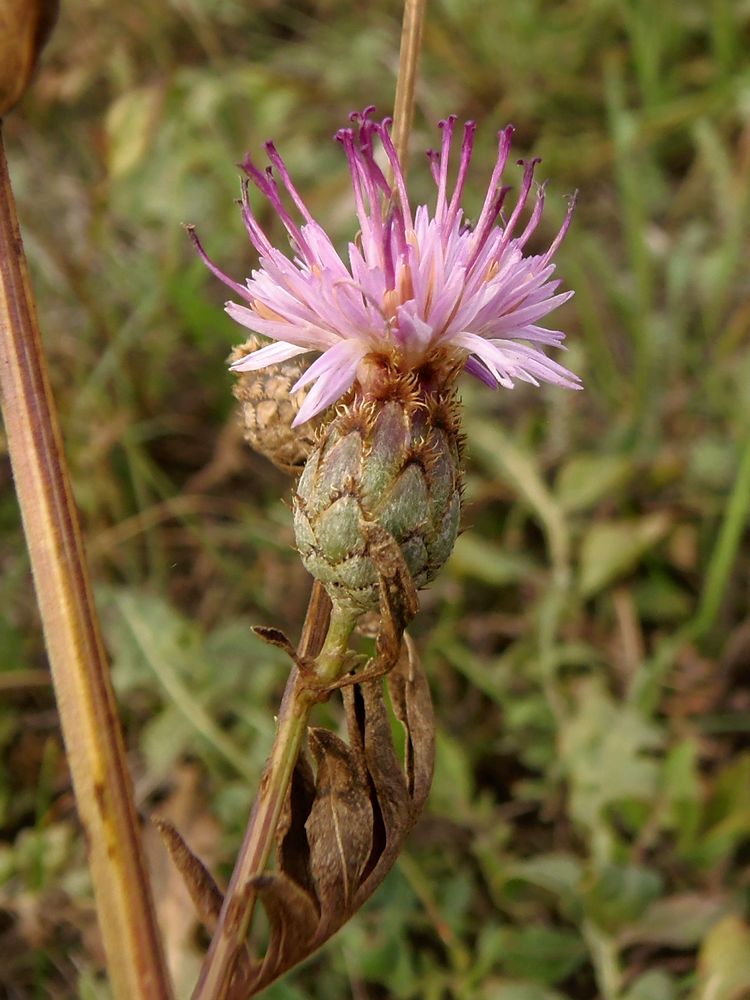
(290, 225)
(529, 167)
(503, 151)
(374, 173)
(555, 245)
(277, 161)
(389, 265)
(346, 137)
(467, 148)
(257, 237)
(434, 157)
(266, 184)
(446, 127)
(398, 227)
(534, 220)
(240, 290)
(257, 176)
(398, 174)
(490, 217)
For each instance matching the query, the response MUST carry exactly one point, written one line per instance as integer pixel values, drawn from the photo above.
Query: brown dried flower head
(268, 408)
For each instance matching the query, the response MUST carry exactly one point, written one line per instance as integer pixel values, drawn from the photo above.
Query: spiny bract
(394, 462)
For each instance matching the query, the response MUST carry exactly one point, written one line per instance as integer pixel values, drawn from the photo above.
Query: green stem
(606, 961)
(215, 980)
(330, 661)
(725, 549)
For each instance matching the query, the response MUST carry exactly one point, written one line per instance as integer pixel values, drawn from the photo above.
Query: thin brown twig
(408, 68)
(95, 749)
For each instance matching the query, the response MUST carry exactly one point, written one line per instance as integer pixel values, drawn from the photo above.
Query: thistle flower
(423, 296)
(414, 283)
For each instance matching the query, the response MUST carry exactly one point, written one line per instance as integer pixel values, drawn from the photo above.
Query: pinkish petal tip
(414, 281)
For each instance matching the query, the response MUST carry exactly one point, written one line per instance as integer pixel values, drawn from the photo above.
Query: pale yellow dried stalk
(93, 739)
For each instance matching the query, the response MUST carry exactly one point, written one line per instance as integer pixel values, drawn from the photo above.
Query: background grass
(589, 642)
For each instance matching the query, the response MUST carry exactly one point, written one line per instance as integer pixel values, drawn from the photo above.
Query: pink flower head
(414, 283)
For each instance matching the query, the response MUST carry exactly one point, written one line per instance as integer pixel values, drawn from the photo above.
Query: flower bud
(393, 462)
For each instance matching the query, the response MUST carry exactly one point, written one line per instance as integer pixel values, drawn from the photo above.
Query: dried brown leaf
(400, 792)
(412, 706)
(293, 917)
(25, 26)
(275, 637)
(291, 836)
(398, 595)
(342, 827)
(339, 827)
(245, 970)
(384, 767)
(204, 892)
(183, 808)
(338, 839)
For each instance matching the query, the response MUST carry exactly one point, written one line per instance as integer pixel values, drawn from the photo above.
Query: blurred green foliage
(589, 646)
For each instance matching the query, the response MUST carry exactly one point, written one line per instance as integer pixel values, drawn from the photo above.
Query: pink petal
(334, 371)
(271, 354)
(487, 353)
(522, 358)
(411, 281)
(480, 371)
(507, 360)
(300, 333)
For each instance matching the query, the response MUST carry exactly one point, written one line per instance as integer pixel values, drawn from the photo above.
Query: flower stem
(408, 67)
(605, 959)
(93, 740)
(724, 552)
(323, 638)
(300, 695)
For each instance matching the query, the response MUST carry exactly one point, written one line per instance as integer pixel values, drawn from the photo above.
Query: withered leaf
(293, 917)
(204, 892)
(291, 836)
(339, 827)
(206, 896)
(399, 799)
(412, 706)
(275, 637)
(382, 763)
(343, 835)
(25, 26)
(342, 828)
